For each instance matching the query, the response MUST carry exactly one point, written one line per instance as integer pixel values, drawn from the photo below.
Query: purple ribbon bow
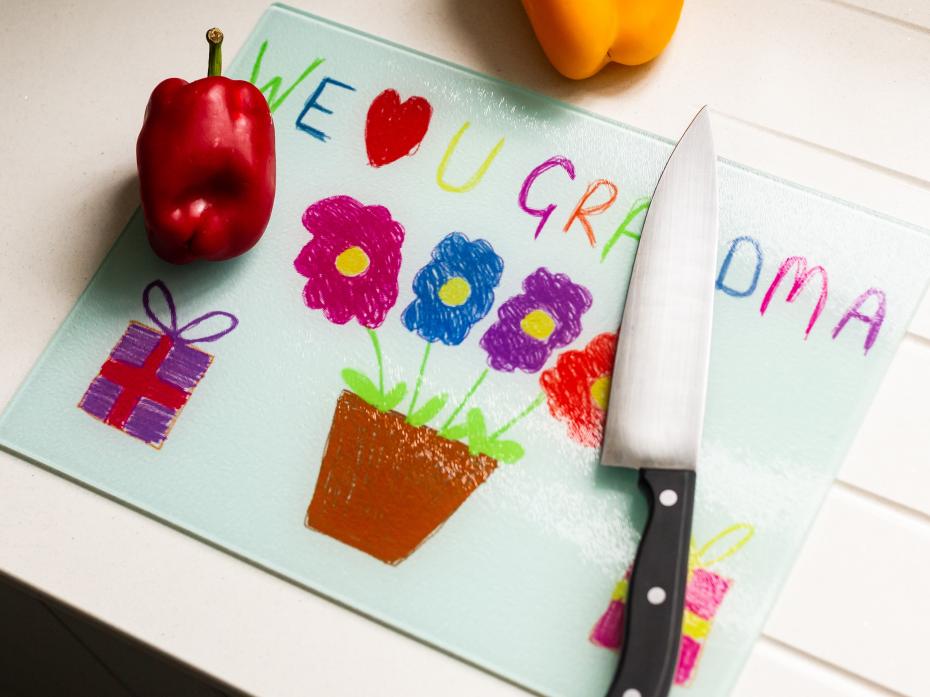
(172, 329)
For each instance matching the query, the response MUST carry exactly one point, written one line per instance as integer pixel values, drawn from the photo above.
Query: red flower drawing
(577, 388)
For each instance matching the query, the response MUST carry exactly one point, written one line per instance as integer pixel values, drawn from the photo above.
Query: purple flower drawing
(545, 317)
(351, 261)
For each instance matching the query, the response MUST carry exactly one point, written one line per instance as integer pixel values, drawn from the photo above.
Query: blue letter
(726, 267)
(313, 104)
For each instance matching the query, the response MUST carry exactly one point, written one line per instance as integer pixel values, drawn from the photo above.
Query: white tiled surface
(834, 94)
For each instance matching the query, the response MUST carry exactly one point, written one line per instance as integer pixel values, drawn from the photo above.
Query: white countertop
(833, 94)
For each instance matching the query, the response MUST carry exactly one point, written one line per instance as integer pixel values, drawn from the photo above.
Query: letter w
(801, 276)
(271, 88)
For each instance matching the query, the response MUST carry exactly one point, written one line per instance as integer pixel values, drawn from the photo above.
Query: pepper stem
(215, 61)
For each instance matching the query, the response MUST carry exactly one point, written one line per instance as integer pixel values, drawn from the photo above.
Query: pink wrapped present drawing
(151, 372)
(704, 594)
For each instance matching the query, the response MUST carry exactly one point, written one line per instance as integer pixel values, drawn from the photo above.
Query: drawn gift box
(704, 594)
(151, 373)
(384, 485)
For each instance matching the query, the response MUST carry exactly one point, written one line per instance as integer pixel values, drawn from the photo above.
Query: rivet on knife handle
(655, 604)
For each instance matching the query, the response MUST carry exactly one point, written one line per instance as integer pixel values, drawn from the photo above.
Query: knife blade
(656, 409)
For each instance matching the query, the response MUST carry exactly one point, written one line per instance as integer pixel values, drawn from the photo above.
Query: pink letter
(801, 276)
(874, 322)
(543, 213)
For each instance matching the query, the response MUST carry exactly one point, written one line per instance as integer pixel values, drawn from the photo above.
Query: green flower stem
(522, 415)
(374, 342)
(416, 389)
(461, 405)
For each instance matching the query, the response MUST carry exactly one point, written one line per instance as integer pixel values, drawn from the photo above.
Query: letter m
(801, 276)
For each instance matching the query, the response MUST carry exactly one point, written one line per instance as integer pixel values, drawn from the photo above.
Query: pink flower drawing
(352, 260)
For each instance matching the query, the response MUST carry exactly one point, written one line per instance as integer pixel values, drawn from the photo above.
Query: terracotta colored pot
(384, 485)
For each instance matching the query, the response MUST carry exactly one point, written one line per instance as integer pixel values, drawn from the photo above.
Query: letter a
(874, 322)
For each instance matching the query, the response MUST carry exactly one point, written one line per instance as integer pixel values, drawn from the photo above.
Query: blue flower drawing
(454, 290)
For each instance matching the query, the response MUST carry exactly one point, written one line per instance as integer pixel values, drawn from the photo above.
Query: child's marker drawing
(577, 388)
(873, 298)
(352, 265)
(454, 291)
(270, 89)
(522, 199)
(530, 326)
(385, 485)
(394, 129)
(583, 211)
(874, 320)
(802, 275)
(152, 372)
(728, 259)
(637, 211)
(313, 103)
(479, 173)
(704, 595)
(352, 260)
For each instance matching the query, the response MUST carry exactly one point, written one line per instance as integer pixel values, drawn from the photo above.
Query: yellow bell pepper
(582, 36)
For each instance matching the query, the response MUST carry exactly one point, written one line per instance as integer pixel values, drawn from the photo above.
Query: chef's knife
(656, 409)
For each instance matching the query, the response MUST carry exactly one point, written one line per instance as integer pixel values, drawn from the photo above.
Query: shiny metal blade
(656, 410)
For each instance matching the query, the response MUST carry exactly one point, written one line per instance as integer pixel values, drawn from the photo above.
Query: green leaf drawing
(479, 442)
(508, 451)
(392, 398)
(428, 411)
(361, 385)
(472, 428)
(456, 432)
(477, 430)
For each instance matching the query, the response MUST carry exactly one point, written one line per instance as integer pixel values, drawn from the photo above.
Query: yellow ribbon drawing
(702, 558)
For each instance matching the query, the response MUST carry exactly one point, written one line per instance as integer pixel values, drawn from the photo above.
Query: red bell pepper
(206, 165)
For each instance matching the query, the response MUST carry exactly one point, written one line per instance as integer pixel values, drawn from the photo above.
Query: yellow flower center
(455, 291)
(538, 324)
(352, 262)
(600, 391)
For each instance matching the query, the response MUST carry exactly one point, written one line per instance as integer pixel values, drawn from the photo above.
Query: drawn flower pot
(388, 481)
(385, 486)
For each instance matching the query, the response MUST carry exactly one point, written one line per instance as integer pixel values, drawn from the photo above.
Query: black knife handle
(655, 603)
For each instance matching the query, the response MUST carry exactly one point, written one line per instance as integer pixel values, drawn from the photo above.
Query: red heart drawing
(394, 128)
